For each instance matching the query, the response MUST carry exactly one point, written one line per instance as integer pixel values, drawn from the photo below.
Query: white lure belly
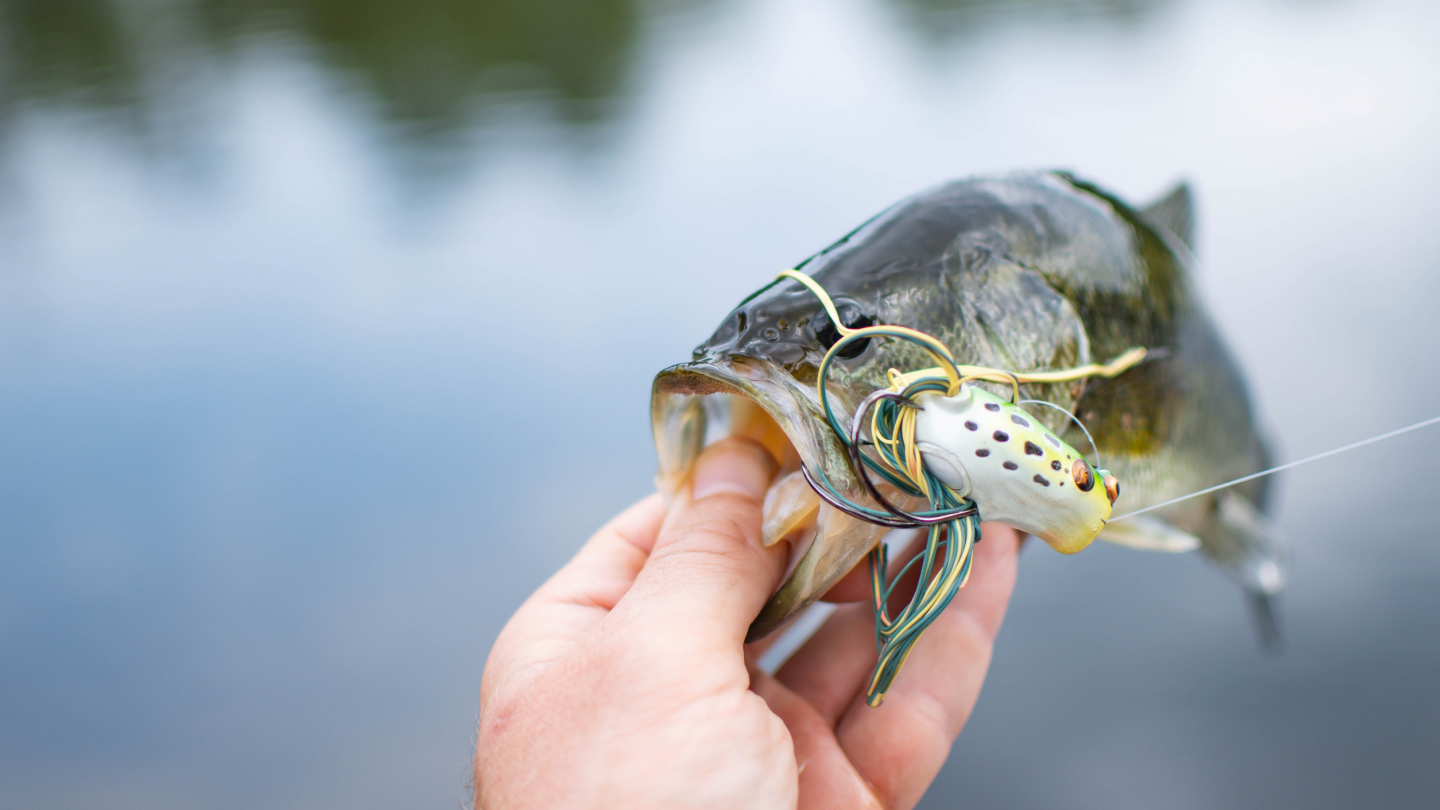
(1016, 470)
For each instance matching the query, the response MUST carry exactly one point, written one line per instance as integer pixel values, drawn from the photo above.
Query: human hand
(624, 681)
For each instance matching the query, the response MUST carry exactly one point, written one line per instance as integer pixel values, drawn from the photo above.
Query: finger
(855, 586)
(827, 779)
(899, 746)
(831, 668)
(708, 574)
(578, 596)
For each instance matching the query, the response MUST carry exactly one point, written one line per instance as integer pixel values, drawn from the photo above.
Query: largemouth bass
(1026, 272)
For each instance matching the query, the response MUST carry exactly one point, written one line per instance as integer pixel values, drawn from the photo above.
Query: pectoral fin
(1148, 534)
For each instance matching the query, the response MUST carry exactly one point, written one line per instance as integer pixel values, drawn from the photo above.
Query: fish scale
(1030, 271)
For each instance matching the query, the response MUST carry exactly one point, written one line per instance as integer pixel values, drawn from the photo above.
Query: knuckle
(973, 637)
(936, 716)
(726, 518)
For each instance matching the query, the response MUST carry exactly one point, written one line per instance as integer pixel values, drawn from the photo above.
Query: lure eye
(1112, 488)
(1084, 479)
(853, 318)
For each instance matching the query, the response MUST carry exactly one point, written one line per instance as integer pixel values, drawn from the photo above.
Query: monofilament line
(1382, 437)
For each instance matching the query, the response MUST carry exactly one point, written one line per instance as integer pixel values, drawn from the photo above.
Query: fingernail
(732, 468)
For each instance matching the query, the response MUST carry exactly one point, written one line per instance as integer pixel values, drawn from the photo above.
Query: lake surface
(284, 288)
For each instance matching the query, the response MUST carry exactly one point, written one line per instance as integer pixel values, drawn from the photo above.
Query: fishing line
(1094, 448)
(1252, 476)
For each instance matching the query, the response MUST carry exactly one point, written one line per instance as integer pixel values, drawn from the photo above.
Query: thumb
(708, 572)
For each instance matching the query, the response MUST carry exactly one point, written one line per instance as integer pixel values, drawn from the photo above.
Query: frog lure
(935, 436)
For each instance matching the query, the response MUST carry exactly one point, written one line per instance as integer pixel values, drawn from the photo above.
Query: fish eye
(853, 318)
(1084, 479)
(1112, 488)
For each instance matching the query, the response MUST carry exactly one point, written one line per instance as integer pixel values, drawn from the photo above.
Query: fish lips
(698, 403)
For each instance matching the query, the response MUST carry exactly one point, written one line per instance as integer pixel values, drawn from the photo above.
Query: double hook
(901, 519)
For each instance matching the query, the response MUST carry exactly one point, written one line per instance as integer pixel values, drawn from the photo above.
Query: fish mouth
(697, 404)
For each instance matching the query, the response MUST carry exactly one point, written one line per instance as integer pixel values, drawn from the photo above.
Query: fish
(1029, 272)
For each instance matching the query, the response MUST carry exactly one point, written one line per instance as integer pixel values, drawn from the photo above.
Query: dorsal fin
(1175, 212)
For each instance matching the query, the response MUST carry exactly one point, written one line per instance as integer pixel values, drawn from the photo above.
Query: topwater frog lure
(935, 436)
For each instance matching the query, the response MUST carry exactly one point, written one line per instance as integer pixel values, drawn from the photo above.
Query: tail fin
(1243, 542)
(1266, 621)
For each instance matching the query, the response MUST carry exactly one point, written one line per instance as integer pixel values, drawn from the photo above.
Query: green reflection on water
(431, 66)
(427, 64)
(69, 50)
(428, 61)
(943, 22)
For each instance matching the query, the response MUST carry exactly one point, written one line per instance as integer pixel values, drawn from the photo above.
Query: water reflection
(67, 50)
(430, 67)
(268, 495)
(944, 21)
(429, 63)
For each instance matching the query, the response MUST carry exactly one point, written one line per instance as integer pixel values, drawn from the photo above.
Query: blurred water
(285, 287)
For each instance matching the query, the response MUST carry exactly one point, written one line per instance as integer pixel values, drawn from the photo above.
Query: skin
(624, 681)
